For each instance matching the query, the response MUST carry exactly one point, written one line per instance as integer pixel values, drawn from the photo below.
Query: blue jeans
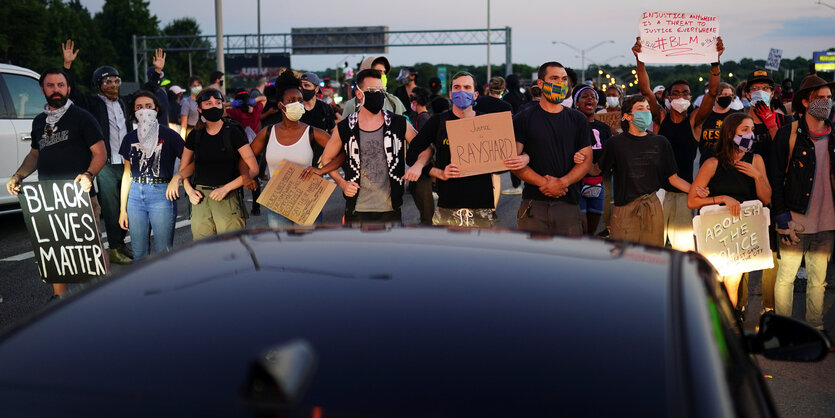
(274, 220)
(148, 209)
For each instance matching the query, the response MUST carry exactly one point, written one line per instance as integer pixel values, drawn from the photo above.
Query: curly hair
(286, 81)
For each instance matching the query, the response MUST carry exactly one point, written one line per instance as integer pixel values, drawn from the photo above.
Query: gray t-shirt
(374, 194)
(188, 107)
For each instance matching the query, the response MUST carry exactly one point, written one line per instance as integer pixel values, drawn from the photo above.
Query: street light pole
(259, 39)
(583, 55)
(488, 41)
(219, 35)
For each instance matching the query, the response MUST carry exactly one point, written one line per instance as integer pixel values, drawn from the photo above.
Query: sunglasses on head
(208, 94)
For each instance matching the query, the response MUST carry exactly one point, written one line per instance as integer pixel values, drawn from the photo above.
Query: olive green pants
(211, 217)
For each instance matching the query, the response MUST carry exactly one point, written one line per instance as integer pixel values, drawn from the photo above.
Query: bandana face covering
(819, 109)
(554, 93)
(53, 116)
(148, 132)
(744, 142)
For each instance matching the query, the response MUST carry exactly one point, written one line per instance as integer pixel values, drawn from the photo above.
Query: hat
(370, 61)
(810, 82)
(176, 89)
(758, 76)
(311, 77)
(657, 89)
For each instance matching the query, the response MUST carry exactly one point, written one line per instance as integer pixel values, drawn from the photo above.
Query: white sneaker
(512, 191)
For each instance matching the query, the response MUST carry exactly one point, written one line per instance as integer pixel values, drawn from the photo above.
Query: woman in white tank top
(290, 139)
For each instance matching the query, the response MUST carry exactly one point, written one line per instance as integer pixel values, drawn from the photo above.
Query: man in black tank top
(679, 125)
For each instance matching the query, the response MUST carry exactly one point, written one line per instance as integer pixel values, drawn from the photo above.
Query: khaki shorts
(211, 217)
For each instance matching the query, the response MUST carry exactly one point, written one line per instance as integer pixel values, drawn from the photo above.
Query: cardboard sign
(684, 38)
(734, 245)
(612, 119)
(480, 144)
(774, 58)
(298, 200)
(64, 231)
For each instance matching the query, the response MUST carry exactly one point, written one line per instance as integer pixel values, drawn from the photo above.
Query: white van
(21, 100)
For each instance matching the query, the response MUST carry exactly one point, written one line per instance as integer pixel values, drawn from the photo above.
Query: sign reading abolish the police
(734, 244)
(64, 232)
(480, 144)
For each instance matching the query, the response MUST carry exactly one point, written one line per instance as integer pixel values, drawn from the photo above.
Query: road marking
(31, 254)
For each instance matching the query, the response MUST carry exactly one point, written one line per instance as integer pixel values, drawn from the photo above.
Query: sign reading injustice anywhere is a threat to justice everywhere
(480, 144)
(734, 244)
(64, 232)
(686, 38)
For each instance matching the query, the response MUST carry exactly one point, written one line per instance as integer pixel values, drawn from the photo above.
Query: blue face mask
(762, 96)
(462, 99)
(642, 119)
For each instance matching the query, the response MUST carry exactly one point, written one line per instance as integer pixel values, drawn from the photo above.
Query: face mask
(680, 105)
(761, 96)
(554, 93)
(196, 89)
(373, 101)
(819, 109)
(212, 114)
(641, 119)
(462, 99)
(294, 111)
(613, 102)
(724, 101)
(308, 94)
(744, 142)
(745, 103)
(667, 103)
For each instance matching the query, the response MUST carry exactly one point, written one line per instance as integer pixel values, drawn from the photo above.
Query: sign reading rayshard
(64, 231)
(734, 244)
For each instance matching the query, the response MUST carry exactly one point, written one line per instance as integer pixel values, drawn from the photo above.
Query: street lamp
(582, 54)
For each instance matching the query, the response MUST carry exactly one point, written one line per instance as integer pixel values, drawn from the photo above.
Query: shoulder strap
(310, 137)
(792, 140)
(227, 142)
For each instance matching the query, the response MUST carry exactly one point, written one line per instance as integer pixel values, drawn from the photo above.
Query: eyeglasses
(208, 94)
(760, 88)
(374, 89)
(116, 81)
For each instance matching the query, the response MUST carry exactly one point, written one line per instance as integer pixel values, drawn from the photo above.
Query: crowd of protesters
(640, 181)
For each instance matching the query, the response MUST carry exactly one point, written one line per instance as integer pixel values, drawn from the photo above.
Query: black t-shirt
(214, 165)
(551, 140)
(474, 192)
(684, 147)
(490, 104)
(160, 164)
(321, 116)
(600, 134)
(65, 153)
(640, 165)
(711, 128)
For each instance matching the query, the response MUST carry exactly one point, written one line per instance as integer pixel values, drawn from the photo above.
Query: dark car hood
(403, 322)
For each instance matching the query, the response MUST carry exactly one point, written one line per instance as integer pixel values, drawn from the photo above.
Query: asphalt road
(798, 389)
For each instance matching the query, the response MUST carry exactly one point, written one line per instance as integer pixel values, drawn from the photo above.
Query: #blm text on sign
(734, 244)
(686, 38)
(298, 200)
(480, 144)
(64, 231)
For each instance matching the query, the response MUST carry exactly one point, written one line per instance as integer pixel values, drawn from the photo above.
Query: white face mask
(680, 105)
(294, 111)
(613, 101)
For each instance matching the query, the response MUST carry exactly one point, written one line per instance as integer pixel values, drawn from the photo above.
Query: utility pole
(583, 55)
(259, 39)
(488, 41)
(219, 35)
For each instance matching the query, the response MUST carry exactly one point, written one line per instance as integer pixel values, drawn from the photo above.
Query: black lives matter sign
(64, 232)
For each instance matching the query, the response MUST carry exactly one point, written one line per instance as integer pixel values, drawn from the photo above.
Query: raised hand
(636, 49)
(159, 60)
(68, 53)
(720, 46)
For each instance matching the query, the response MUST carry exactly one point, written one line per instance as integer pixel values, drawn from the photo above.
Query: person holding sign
(462, 201)
(215, 147)
(291, 139)
(373, 141)
(732, 176)
(149, 185)
(66, 144)
(551, 134)
(680, 124)
(640, 163)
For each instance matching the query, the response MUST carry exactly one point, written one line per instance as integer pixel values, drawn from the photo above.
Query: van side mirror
(787, 339)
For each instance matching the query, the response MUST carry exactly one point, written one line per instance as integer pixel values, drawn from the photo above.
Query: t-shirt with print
(214, 165)
(473, 192)
(374, 194)
(161, 163)
(551, 140)
(600, 134)
(64, 150)
(640, 165)
(820, 216)
(711, 128)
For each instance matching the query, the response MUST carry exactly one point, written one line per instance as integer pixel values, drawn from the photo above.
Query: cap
(657, 89)
(758, 76)
(311, 77)
(176, 89)
(370, 61)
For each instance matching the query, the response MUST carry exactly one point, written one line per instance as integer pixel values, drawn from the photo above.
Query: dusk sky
(749, 28)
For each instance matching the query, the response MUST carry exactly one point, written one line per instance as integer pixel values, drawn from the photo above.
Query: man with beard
(66, 144)
(109, 110)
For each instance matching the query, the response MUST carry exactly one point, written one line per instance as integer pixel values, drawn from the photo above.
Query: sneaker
(513, 191)
(117, 257)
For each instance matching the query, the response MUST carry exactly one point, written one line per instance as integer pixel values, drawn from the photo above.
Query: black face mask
(374, 101)
(213, 114)
(308, 94)
(724, 101)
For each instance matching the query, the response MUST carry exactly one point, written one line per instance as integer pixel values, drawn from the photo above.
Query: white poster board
(680, 38)
(734, 244)
(774, 58)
